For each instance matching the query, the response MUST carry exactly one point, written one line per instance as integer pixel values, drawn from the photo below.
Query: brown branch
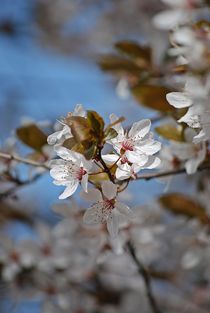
(146, 278)
(146, 176)
(17, 158)
(18, 184)
(149, 176)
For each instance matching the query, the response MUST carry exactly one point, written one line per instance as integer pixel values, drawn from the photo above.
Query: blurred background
(49, 52)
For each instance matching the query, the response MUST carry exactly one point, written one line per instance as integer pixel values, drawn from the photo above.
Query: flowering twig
(14, 157)
(149, 176)
(146, 176)
(146, 277)
(18, 184)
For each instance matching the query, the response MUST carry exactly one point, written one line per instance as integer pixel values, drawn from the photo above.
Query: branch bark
(146, 176)
(146, 278)
(17, 158)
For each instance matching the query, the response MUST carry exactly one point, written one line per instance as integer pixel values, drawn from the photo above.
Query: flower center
(124, 159)
(127, 145)
(80, 173)
(109, 204)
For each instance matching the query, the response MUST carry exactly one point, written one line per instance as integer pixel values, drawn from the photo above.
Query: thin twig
(14, 157)
(149, 176)
(18, 184)
(146, 277)
(146, 176)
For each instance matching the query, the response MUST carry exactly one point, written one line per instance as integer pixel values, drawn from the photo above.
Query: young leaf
(96, 122)
(118, 64)
(153, 97)
(142, 54)
(110, 133)
(80, 128)
(32, 136)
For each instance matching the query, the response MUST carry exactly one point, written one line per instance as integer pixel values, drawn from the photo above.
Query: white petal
(191, 166)
(118, 126)
(140, 129)
(53, 138)
(60, 173)
(65, 153)
(70, 189)
(123, 172)
(94, 215)
(179, 99)
(124, 209)
(135, 157)
(109, 189)
(110, 158)
(150, 148)
(79, 111)
(93, 195)
(84, 182)
(169, 19)
(113, 224)
(153, 162)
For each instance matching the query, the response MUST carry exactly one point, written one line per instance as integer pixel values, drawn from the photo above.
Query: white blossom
(137, 143)
(65, 132)
(70, 171)
(106, 208)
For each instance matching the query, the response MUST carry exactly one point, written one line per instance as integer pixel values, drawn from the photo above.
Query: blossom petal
(79, 111)
(124, 209)
(109, 189)
(135, 157)
(84, 182)
(95, 214)
(179, 100)
(93, 195)
(65, 153)
(123, 172)
(140, 129)
(113, 224)
(70, 189)
(61, 172)
(110, 158)
(153, 162)
(150, 148)
(169, 19)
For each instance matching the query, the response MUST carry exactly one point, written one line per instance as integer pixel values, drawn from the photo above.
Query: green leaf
(110, 133)
(170, 132)
(32, 136)
(142, 54)
(153, 97)
(178, 203)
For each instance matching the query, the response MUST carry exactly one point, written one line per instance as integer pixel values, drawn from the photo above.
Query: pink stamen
(109, 204)
(127, 145)
(81, 172)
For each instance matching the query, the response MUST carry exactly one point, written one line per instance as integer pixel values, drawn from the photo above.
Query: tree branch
(14, 157)
(146, 277)
(149, 176)
(146, 176)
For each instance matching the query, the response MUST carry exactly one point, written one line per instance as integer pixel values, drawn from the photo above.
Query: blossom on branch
(70, 171)
(106, 208)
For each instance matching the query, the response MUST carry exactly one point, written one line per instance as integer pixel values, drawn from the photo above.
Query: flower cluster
(133, 150)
